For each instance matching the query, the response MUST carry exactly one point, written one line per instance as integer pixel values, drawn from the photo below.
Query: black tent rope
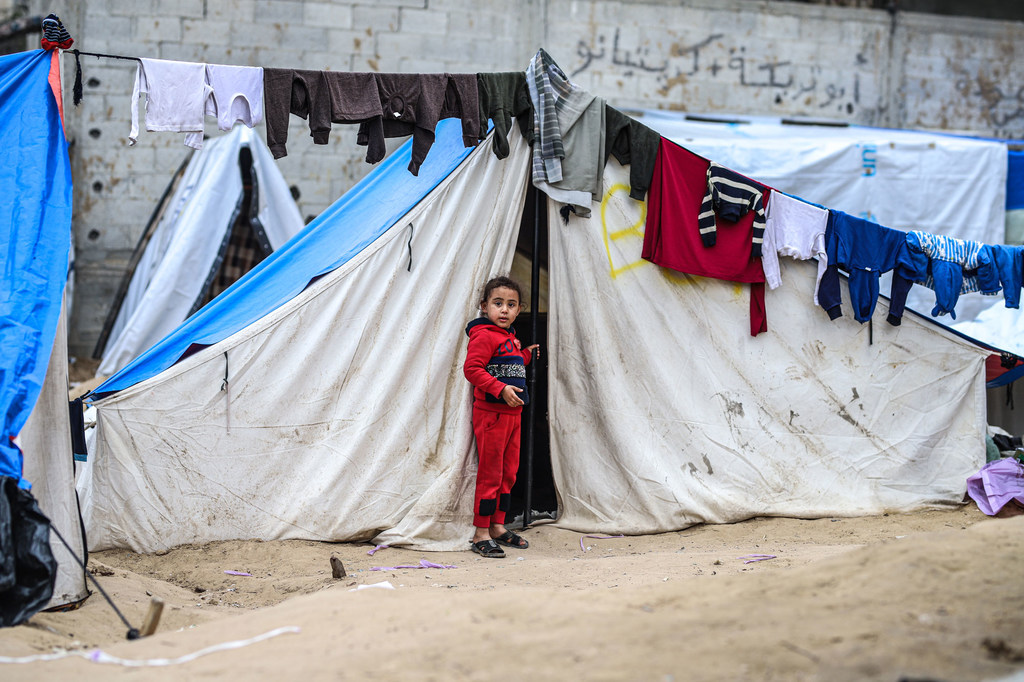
(412, 231)
(226, 387)
(133, 633)
(77, 89)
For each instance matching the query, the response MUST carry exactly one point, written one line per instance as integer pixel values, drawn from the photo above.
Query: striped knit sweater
(731, 195)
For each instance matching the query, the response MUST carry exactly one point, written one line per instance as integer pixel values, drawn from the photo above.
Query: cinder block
(100, 76)
(783, 28)
(297, 37)
(324, 61)
(351, 41)
(422, 4)
(185, 52)
(419, 65)
(206, 31)
(132, 9)
(378, 62)
(157, 29)
(471, 7)
(278, 11)
(242, 11)
(430, 21)
(482, 24)
(605, 13)
(823, 30)
(326, 15)
(406, 45)
(374, 18)
(191, 9)
(260, 35)
(106, 27)
(278, 58)
(239, 56)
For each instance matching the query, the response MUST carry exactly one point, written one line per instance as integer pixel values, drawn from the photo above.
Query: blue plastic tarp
(1015, 180)
(348, 226)
(35, 239)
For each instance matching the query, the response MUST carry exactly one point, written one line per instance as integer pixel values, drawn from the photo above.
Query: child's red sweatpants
(497, 445)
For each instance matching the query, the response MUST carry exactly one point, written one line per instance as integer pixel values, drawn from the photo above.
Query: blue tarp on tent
(359, 217)
(35, 239)
(1015, 180)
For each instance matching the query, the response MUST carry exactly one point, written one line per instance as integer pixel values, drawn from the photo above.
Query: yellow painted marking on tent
(633, 230)
(679, 277)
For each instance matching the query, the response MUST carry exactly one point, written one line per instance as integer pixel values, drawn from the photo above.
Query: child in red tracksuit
(496, 366)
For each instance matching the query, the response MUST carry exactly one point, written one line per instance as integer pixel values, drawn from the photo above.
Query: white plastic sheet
(666, 413)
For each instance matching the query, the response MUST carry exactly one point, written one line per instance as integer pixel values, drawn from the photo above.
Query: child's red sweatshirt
(494, 360)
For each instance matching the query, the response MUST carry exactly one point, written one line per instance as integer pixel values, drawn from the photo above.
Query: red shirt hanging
(672, 238)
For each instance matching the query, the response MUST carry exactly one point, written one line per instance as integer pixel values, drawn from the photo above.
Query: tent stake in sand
(152, 620)
(337, 568)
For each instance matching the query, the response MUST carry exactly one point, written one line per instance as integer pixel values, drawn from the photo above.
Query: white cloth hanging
(796, 229)
(176, 95)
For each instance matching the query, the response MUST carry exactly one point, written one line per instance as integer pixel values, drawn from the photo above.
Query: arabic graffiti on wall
(713, 58)
(1001, 106)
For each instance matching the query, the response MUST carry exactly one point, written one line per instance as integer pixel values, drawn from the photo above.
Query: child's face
(502, 306)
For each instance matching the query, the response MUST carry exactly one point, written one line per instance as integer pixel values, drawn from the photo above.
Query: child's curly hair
(502, 281)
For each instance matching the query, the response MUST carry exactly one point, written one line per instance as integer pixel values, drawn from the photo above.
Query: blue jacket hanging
(1009, 262)
(866, 250)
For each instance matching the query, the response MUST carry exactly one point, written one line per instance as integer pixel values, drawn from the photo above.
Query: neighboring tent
(330, 402)
(231, 209)
(35, 229)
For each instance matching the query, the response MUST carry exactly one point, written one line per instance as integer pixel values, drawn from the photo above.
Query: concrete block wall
(706, 56)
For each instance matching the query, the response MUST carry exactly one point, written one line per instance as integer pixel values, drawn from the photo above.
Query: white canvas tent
(667, 413)
(342, 413)
(190, 240)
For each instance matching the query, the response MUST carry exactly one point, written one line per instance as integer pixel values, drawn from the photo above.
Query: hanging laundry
(633, 144)
(237, 95)
(355, 99)
(955, 266)
(548, 86)
(731, 196)
(176, 95)
(412, 104)
(569, 137)
(672, 240)
(502, 97)
(796, 229)
(581, 119)
(866, 250)
(295, 91)
(1009, 263)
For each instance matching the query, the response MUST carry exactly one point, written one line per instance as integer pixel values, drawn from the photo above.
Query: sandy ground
(933, 595)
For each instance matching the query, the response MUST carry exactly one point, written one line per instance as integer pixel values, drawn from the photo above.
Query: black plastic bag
(27, 567)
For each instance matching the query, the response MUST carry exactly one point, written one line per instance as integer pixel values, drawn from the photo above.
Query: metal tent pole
(538, 197)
